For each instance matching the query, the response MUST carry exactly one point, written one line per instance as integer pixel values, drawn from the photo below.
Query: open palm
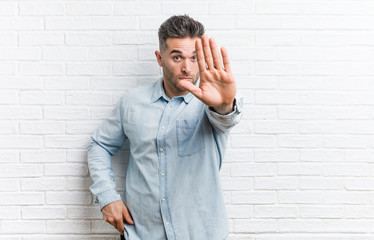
(217, 87)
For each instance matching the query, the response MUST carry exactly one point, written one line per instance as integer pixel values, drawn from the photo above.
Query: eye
(177, 58)
(194, 58)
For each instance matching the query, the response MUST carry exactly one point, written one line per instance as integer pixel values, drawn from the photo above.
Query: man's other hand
(114, 213)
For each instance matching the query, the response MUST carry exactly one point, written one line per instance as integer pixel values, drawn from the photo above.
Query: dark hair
(181, 26)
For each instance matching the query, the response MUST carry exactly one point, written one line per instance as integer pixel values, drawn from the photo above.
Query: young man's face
(179, 62)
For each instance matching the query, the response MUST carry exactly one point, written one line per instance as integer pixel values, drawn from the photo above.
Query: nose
(186, 67)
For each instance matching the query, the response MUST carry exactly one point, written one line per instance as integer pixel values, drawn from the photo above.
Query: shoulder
(139, 94)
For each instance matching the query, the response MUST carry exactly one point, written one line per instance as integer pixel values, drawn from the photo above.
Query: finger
(216, 55)
(120, 225)
(127, 216)
(189, 86)
(226, 59)
(207, 52)
(200, 55)
(112, 222)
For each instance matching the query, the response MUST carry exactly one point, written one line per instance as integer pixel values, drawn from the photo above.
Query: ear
(159, 58)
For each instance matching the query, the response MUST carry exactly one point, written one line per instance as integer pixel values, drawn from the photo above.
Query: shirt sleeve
(223, 123)
(105, 142)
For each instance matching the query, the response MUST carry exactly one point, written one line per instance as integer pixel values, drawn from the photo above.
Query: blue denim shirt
(176, 149)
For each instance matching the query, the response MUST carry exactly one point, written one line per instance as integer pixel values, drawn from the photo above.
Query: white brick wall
(300, 165)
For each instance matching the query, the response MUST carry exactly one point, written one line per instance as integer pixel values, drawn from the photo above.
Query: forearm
(101, 172)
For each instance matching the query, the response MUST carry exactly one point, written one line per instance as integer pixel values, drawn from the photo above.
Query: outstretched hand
(217, 87)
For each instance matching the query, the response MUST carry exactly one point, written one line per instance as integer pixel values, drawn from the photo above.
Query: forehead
(186, 45)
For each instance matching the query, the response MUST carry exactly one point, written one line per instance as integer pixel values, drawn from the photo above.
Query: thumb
(189, 86)
(127, 216)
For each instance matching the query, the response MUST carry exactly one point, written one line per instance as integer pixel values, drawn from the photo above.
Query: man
(177, 133)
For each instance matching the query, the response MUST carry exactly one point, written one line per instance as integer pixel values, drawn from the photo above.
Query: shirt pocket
(189, 138)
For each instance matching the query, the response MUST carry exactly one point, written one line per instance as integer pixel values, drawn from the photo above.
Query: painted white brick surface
(300, 165)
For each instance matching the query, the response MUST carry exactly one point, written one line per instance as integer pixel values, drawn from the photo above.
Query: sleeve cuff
(107, 197)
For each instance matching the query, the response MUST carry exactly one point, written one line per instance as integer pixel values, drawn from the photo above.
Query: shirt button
(163, 127)
(163, 199)
(167, 223)
(162, 174)
(161, 149)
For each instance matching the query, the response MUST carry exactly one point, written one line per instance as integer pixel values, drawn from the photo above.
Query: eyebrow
(178, 51)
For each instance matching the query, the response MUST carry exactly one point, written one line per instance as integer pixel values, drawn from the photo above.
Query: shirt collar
(159, 92)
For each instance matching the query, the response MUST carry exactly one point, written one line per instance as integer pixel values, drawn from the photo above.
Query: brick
(346, 169)
(251, 170)
(346, 142)
(259, 112)
(8, 127)
(88, 39)
(230, 8)
(147, 8)
(84, 213)
(321, 7)
(20, 83)
(276, 183)
(237, 184)
(239, 211)
(8, 97)
(9, 185)
(345, 197)
(88, 98)
(9, 213)
(301, 197)
(138, 68)
(278, 7)
(78, 183)
(24, 170)
(67, 83)
(277, 38)
(113, 23)
(88, 69)
(282, 155)
(295, 169)
(77, 156)
(254, 197)
(102, 227)
(41, 97)
(255, 226)
(20, 53)
(40, 69)
(258, 82)
(275, 212)
(65, 113)
(42, 156)
(321, 183)
(8, 9)
(301, 141)
(11, 226)
(252, 141)
(55, 226)
(113, 54)
(9, 156)
(276, 127)
(71, 169)
(70, 54)
(7, 69)
(69, 198)
(14, 199)
(43, 213)
(136, 38)
(21, 23)
(8, 39)
(258, 22)
(181, 8)
(37, 9)
(20, 142)
(67, 23)
(238, 155)
(92, 9)
(321, 212)
(249, 53)
(42, 184)
(266, 69)
(40, 38)
(113, 83)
